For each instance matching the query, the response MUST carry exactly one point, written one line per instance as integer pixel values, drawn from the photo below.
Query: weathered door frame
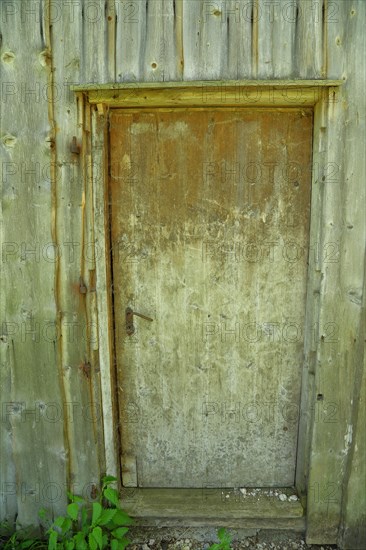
(95, 103)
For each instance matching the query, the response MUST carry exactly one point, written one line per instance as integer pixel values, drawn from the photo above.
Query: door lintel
(230, 93)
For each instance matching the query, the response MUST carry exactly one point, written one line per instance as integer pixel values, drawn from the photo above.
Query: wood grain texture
(192, 504)
(205, 43)
(216, 93)
(8, 502)
(32, 422)
(161, 61)
(353, 526)
(342, 279)
(353, 533)
(130, 40)
(196, 39)
(239, 39)
(214, 84)
(104, 292)
(95, 45)
(193, 214)
(312, 307)
(308, 53)
(72, 233)
(276, 39)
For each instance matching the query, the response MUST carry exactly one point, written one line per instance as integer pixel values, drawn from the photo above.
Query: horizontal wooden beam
(209, 504)
(200, 83)
(244, 93)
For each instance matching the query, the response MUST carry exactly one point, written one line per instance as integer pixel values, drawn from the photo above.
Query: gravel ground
(248, 544)
(261, 541)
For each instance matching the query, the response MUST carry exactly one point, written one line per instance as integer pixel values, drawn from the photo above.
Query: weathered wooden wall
(51, 425)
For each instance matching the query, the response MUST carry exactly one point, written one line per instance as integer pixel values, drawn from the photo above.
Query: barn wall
(51, 427)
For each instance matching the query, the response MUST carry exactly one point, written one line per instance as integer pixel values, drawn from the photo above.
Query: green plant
(18, 540)
(225, 541)
(105, 526)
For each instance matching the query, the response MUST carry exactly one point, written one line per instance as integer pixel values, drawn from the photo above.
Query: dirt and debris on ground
(248, 544)
(201, 539)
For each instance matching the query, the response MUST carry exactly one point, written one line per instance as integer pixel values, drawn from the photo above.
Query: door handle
(130, 329)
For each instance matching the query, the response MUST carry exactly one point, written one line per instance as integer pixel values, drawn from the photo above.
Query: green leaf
(224, 537)
(111, 495)
(74, 498)
(92, 542)
(114, 544)
(52, 541)
(118, 533)
(121, 518)
(59, 521)
(69, 545)
(122, 544)
(80, 543)
(27, 543)
(221, 533)
(73, 511)
(97, 511)
(66, 526)
(84, 517)
(98, 535)
(108, 479)
(107, 516)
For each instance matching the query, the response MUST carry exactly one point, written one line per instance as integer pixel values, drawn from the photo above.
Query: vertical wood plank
(95, 66)
(309, 39)
(8, 501)
(335, 49)
(32, 399)
(342, 269)
(130, 39)
(161, 58)
(111, 39)
(204, 40)
(238, 16)
(72, 62)
(103, 291)
(347, 30)
(332, 356)
(179, 37)
(353, 527)
(276, 38)
(309, 408)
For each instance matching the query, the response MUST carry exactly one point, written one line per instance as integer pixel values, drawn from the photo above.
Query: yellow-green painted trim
(244, 93)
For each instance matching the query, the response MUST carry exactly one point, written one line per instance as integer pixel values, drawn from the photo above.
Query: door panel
(210, 226)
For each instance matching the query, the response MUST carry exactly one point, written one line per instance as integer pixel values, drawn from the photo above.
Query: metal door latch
(130, 329)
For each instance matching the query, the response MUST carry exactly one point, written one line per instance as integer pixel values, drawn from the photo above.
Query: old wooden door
(209, 227)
